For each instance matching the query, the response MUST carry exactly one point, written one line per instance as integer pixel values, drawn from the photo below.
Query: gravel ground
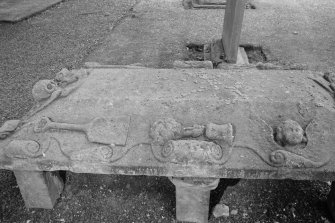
(64, 36)
(39, 47)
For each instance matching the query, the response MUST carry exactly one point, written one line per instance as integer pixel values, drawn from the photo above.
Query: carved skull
(43, 89)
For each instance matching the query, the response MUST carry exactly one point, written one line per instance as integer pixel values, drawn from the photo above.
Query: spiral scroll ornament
(106, 152)
(278, 157)
(167, 150)
(216, 152)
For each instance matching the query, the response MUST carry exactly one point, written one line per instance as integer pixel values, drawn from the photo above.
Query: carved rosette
(196, 145)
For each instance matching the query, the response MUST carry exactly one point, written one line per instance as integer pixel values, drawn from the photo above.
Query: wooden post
(39, 189)
(232, 27)
(192, 198)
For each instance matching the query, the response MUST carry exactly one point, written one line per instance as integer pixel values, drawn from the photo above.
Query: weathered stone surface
(190, 152)
(8, 127)
(330, 77)
(39, 189)
(99, 130)
(221, 210)
(109, 66)
(192, 198)
(46, 91)
(242, 58)
(23, 149)
(164, 130)
(289, 133)
(220, 132)
(171, 143)
(246, 106)
(193, 131)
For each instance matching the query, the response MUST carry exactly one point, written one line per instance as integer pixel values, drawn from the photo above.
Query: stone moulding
(171, 142)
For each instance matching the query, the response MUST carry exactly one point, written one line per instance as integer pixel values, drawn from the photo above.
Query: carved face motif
(164, 130)
(289, 133)
(43, 89)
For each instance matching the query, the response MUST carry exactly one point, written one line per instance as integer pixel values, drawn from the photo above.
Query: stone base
(331, 200)
(242, 58)
(192, 198)
(39, 189)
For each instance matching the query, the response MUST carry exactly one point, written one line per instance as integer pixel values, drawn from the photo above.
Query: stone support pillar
(192, 198)
(331, 200)
(39, 189)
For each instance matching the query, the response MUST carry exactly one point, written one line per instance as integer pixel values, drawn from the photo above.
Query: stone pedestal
(192, 198)
(331, 200)
(39, 189)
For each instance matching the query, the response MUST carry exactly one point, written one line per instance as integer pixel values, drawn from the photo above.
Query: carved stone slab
(99, 130)
(196, 123)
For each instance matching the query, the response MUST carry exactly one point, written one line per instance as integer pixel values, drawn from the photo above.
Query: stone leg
(331, 200)
(39, 189)
(192, 198)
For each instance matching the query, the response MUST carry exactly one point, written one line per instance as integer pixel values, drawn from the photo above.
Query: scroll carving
(23, 149)
(108, 138)
(174, 143)
(104, 153)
